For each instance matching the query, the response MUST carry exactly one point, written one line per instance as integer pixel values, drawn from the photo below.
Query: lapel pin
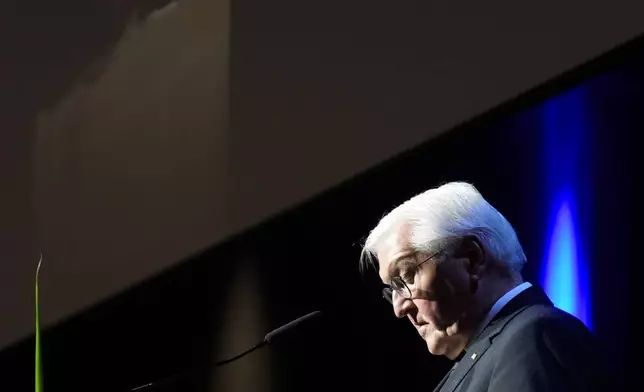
(474, 356)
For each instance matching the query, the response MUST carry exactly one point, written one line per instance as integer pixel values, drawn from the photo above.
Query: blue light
(565, 272)
(564, 279)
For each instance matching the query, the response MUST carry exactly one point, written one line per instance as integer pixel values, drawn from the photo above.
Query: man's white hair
(455, 209)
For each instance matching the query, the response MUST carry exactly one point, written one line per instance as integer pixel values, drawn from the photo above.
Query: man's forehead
(394, 248)
(395, 241)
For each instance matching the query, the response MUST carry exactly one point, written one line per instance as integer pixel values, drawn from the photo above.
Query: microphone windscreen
(293, 324)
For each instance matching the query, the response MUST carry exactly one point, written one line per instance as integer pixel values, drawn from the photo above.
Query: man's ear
(472, 249)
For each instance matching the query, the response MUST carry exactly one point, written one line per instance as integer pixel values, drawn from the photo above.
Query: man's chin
(436, 343)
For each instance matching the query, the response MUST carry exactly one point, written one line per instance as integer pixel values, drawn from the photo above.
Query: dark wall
(114, 119)
(135, 132)
(307, 259)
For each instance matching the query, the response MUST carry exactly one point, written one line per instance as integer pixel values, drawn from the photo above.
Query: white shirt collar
(498, 305)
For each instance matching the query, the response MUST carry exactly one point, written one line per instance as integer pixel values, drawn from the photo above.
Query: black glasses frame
(399, 286)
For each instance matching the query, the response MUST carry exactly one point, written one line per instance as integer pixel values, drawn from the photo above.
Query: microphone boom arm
(268, 339)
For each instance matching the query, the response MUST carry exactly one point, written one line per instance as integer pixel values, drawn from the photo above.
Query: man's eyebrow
(402, 259)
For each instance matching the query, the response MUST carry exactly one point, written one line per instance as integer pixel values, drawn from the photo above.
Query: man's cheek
(433, 314)
(447, 314)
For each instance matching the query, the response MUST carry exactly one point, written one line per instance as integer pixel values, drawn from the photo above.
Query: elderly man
(452, 265)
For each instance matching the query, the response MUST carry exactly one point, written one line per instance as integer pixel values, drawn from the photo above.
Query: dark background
(307, 259)
(136, 132)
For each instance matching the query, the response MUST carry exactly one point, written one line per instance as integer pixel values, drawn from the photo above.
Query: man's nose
(402, 305)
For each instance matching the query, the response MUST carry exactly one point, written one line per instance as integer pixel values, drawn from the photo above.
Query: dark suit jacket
(529, 346)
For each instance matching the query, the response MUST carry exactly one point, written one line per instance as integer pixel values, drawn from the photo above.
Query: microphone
(289, 326)
(270, 337)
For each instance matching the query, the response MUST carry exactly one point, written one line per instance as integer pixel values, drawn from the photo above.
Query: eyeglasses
(399, 286)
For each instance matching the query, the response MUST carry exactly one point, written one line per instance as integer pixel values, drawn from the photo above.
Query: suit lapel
(485, 339)
(442, 383)
(460, 370)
